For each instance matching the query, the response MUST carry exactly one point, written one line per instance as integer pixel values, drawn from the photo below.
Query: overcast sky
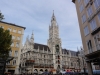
(36, 15)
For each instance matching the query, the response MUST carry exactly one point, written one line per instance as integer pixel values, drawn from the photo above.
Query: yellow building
(17, 37)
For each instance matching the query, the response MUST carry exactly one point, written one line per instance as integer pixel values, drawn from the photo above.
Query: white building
(51, 57)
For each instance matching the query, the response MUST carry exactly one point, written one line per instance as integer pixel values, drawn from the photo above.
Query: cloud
(36, 15)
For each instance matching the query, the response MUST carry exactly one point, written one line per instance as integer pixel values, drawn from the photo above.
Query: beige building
(17, 37)
(37, 57)
(88, 12)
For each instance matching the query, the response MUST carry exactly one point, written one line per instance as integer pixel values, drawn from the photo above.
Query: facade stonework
(37, 57)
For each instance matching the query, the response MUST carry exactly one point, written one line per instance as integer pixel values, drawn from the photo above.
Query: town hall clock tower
(54, 43)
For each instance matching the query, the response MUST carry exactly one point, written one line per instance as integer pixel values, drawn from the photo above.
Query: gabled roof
(74, 53)
(41, 47)
(65, 51)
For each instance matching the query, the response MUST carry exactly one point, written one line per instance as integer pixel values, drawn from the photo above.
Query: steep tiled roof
(41, 47)
(74, 53)
(65, 51)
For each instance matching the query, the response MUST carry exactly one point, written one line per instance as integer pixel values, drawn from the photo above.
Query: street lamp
(78, 60)
(83, 64)
(83, 58)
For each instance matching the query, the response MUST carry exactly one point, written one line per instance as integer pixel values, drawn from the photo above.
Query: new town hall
(50, 57)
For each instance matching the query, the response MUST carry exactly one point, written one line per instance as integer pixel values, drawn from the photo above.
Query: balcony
(95, 31)
(30, 61)
(89, 51)
(93, 54)
(92, 50)
(36, 66)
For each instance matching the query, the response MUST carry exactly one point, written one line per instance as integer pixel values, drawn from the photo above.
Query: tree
(1, 16)
(5, 43)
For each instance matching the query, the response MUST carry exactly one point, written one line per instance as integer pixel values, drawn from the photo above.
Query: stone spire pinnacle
(53, 13)
(53, 17)
(53, 28)
(32, 36)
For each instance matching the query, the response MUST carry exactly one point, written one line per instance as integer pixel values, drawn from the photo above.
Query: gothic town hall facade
(50, 57)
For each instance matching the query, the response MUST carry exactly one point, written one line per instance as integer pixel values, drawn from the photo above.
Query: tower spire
(53, 13)
(53, 28)
(32, 38)
(53, 17)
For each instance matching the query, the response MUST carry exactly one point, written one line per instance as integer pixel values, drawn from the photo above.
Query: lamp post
(83, 64)
(83, 58)
(78, 60)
